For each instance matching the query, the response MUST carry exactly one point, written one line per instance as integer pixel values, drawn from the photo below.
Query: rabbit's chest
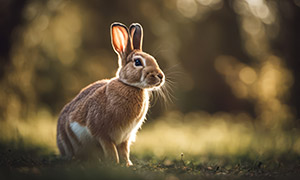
(127, 131)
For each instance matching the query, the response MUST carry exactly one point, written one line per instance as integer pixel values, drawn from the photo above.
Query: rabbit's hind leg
(109, 149)
(64, 144)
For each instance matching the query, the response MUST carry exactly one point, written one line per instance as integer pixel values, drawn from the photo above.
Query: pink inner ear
(120, 38)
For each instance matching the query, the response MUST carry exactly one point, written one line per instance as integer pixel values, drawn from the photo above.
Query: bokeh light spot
(247, 75)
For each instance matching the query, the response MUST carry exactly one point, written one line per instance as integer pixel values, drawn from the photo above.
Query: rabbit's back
(82, 97)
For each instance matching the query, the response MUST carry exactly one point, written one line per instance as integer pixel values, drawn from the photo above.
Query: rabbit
(106, 115)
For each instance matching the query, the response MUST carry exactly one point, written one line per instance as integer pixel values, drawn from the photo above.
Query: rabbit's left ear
(136, 32)
(120, 38)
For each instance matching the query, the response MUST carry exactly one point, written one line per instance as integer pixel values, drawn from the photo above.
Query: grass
(175, 146)
(20, 162)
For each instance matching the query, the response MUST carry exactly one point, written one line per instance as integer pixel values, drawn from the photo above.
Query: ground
(36, 163)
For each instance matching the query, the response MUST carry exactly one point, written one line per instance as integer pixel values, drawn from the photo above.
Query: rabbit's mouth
(154, 82)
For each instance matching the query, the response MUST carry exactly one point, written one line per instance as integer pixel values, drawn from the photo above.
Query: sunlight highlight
(202, 134)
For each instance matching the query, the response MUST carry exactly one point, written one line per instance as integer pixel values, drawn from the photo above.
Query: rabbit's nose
(160, 76)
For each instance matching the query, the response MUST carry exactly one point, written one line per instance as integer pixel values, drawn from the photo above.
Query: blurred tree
(10, 17)
(221, 54)
(288, 45)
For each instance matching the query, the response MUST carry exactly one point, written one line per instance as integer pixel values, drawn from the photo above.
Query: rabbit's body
(105, 116)
(118, 114)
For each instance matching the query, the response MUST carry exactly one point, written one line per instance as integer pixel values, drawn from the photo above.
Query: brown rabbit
(107, 114)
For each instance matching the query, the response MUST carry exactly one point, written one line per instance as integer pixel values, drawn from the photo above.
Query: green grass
(20, 161)
(174, 146)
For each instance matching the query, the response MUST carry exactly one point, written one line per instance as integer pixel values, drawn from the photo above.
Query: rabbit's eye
(137, 62)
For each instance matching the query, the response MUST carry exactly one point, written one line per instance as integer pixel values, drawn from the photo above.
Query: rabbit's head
(136, 68)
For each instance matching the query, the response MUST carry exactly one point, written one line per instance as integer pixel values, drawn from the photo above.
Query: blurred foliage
(231, 68)
(199, 135)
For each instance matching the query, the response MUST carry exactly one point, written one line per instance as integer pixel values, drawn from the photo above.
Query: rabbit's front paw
(128, 163)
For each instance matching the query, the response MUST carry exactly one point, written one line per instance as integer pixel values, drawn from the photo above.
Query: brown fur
(108, 113)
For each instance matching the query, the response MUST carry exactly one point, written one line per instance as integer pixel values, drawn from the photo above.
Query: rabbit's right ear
(120, 39)
(136, 32)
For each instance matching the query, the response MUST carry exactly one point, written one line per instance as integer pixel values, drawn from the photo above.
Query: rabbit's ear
(120, 39)
(136, 32)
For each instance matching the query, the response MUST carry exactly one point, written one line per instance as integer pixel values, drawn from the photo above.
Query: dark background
(51, 49)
